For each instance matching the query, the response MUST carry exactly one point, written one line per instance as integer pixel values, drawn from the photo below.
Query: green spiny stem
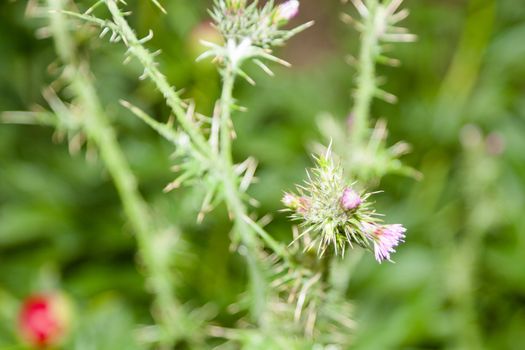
(146, 59)
(233, 201)
(99, 130)
(366, 80)
(226, 103)
(243, 224)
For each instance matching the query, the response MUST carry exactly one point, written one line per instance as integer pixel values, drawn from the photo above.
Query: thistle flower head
(330, 211)
(238, 20)
(250, 31)
(333, 213)
(385, 238)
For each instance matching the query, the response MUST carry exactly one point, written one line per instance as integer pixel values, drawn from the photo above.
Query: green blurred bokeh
(458, 281)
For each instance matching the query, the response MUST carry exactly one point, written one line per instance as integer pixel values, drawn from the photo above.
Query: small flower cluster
(333, 212)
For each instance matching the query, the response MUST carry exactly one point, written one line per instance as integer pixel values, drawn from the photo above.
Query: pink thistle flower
(287, 11)
(350, 199)
(386, 238)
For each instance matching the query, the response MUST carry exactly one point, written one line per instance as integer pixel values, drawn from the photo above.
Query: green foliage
(458, 281)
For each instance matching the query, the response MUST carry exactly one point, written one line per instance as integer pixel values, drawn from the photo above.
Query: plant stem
(150, 69)
(480, 171)
(226, 103)
(99, 130)
(366, 80)
(235, 205)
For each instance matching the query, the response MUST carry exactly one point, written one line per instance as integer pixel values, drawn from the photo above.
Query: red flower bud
(44, 320)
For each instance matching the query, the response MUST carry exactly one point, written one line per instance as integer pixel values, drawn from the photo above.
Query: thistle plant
(330, 208)
(333, 210)
(370, 158)
(378, 25)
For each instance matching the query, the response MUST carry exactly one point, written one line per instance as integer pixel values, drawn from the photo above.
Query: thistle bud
(44, 320)
(286, 11)
(293, 202)
(350, 199)
(290, 201)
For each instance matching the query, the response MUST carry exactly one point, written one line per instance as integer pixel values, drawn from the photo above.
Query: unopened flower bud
(44, 320)
(290, 201)
(286, 11)
(350, 199)
(299, 204)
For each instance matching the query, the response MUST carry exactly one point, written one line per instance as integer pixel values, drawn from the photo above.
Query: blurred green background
(458, 281)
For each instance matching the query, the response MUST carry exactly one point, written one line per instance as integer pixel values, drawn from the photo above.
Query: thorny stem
(99, 130)
(146, 59)
(225, 115)
(237, 208)
(257, 278)
(234, 203)
(366, 80)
